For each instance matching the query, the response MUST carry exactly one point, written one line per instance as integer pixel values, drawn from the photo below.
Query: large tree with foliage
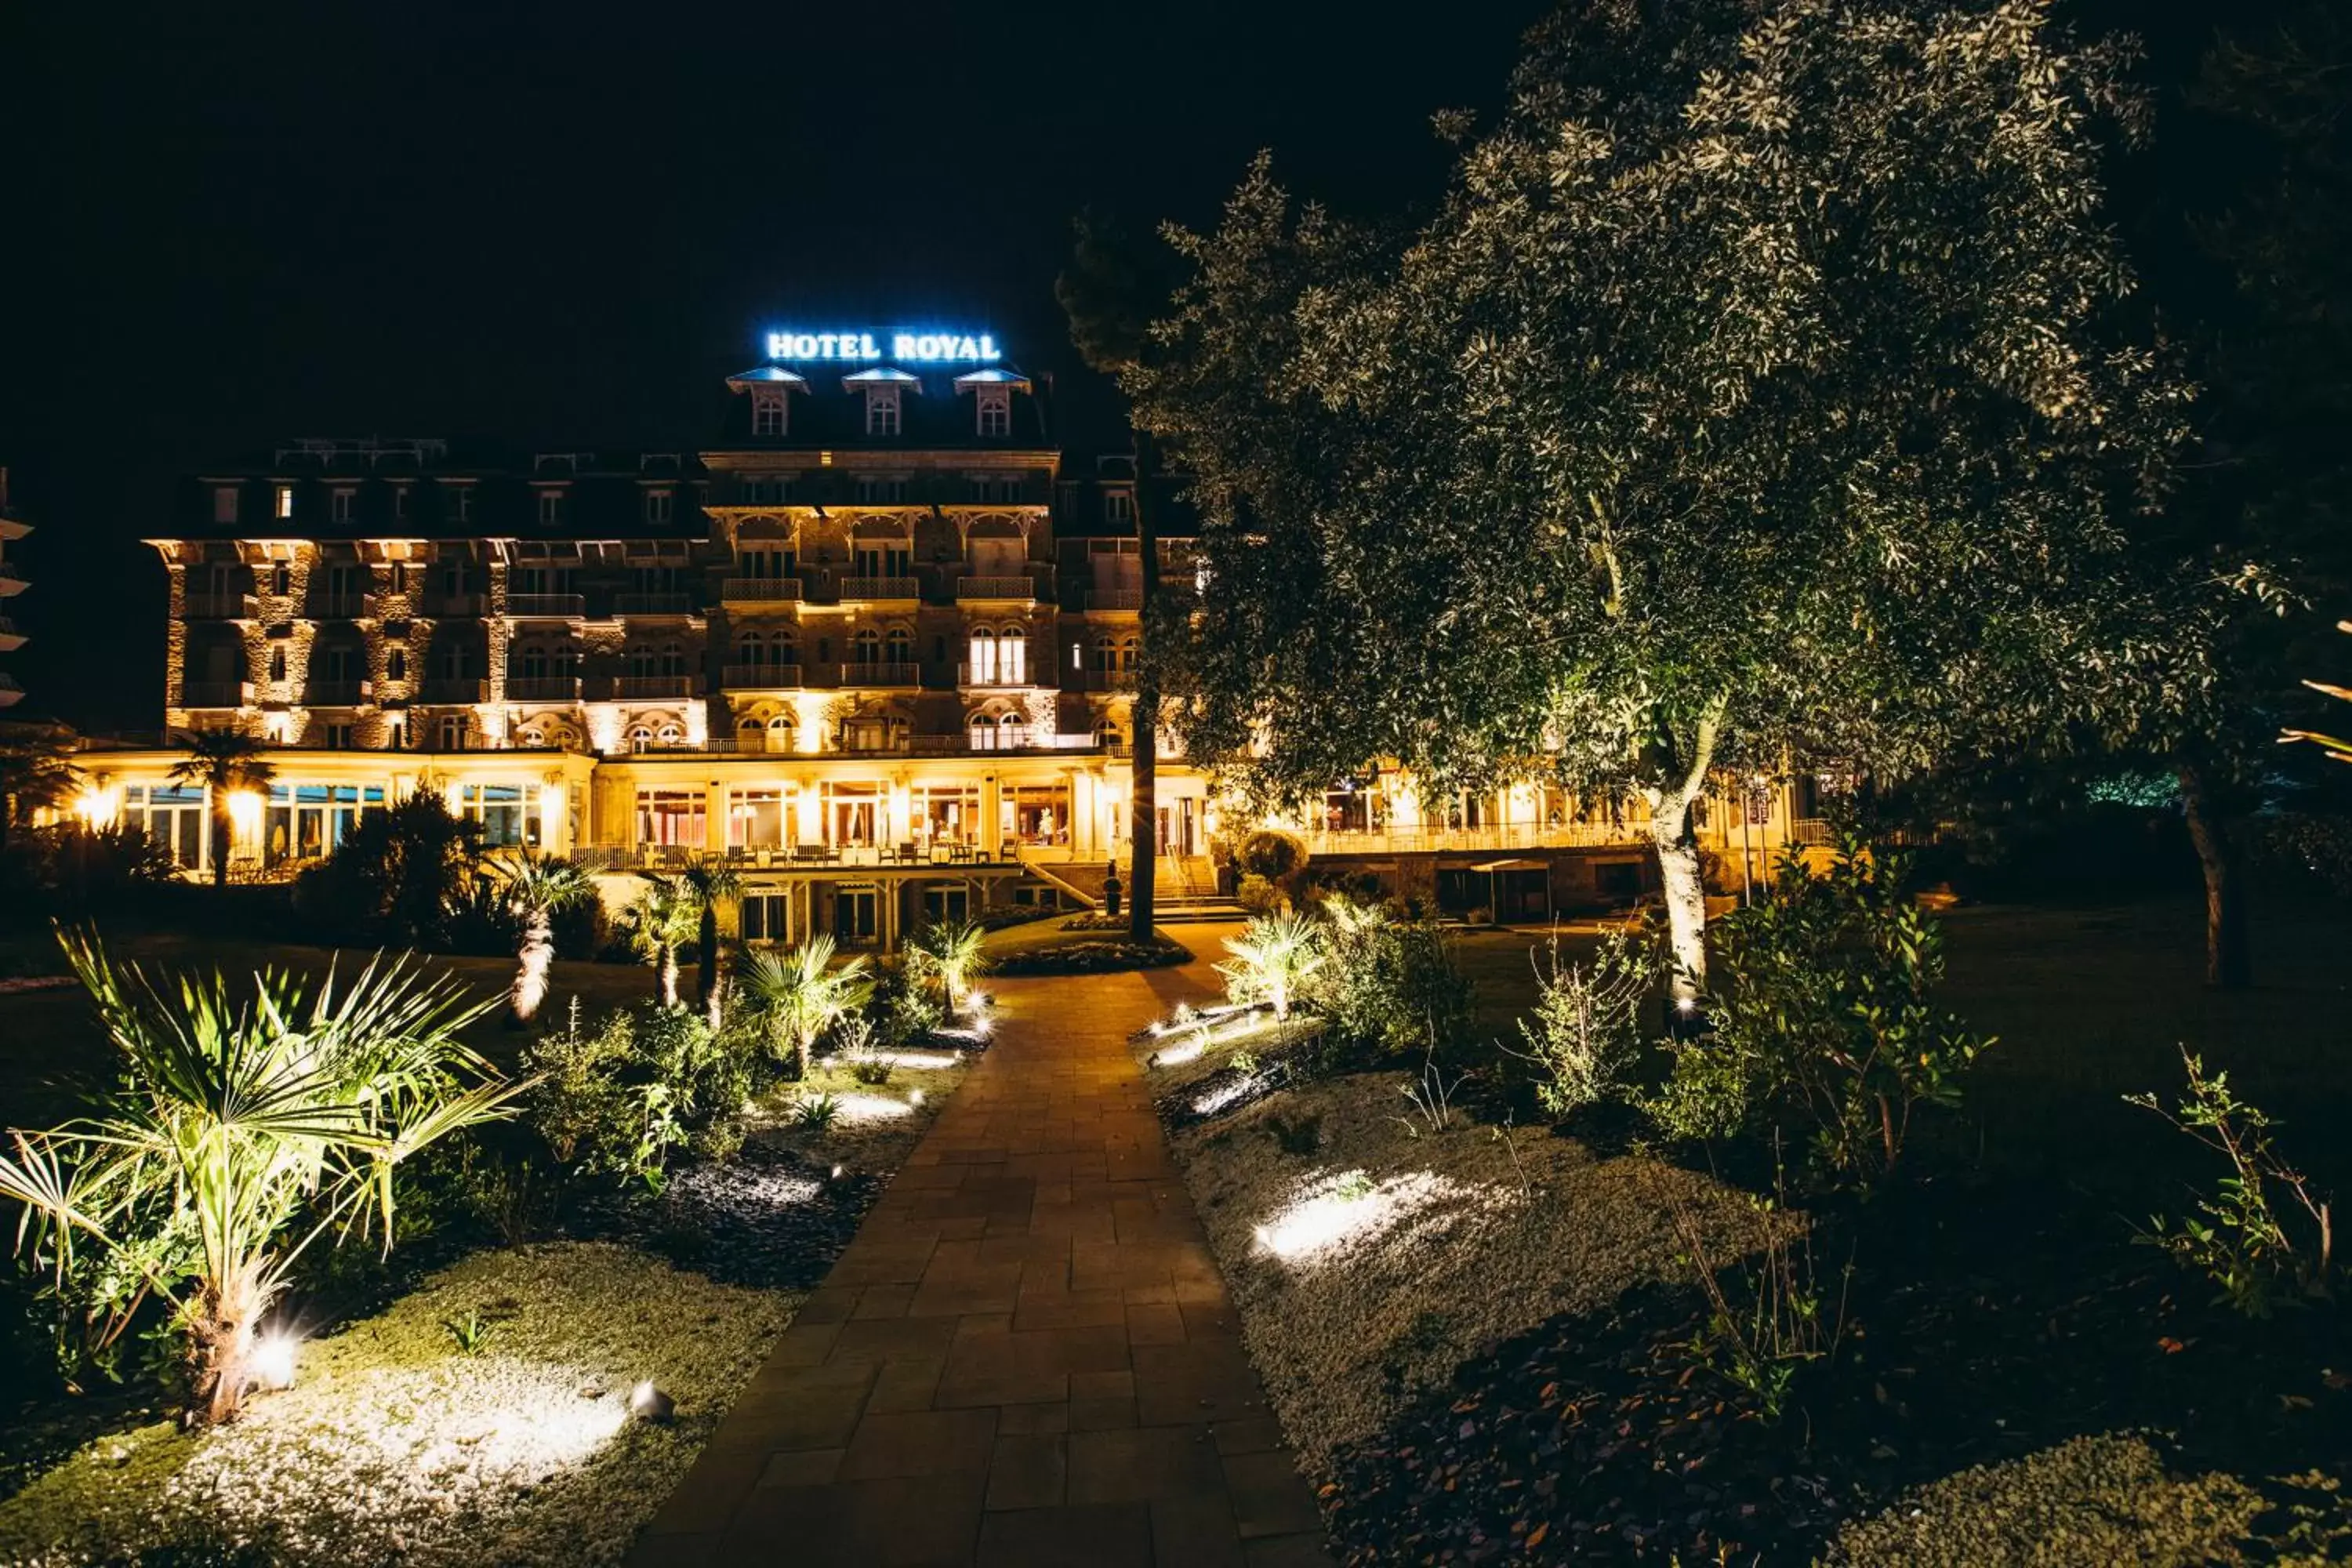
(1763, 392)
(224, 763)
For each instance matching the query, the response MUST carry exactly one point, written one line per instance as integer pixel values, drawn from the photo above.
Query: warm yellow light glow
(550, 812)
(273, 1359)
(245, 812)
(97, 804)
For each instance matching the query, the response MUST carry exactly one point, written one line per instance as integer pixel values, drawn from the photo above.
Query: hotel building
(872, 645)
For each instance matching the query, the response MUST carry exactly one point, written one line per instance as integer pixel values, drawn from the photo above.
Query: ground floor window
(768, 916)
(670, 818)
(307, 822)
(507, 813)
(172, 815)
(950, 901)
(755, 819)
(856, 916)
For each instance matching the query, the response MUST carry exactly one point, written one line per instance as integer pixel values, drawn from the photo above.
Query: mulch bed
(771, 1217)
(1981, 1325)
(1094, 958)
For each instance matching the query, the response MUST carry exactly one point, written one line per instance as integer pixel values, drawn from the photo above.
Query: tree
(710, 884)
(666, 917)
(1763, 393)
(394, 877)
(238, 1122)
(37, 771)
(954, 950)
(800, 995)
(535, 887)
(224, 763)
(1108, 293)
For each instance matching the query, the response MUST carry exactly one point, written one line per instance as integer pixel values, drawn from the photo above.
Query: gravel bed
(1367, 1270)
(394, 1447)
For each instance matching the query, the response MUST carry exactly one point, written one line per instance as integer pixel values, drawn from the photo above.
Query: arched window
(671, 735)
(782, 735)
(1011, 731)
(865, 647)
(787, 651)
(640, 737)
(1106, 653)
(1127, 648)
(983, 733)
(901, 646)
(751, 649)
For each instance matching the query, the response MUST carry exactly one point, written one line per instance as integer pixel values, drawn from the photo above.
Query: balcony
(996, 590)
(331, 693)
(882, 672)
(1473, 840)
(267, 607)
(215, 694)
(11, 580)
(203, 606)
(454, 688)
(873, 589)
(1114, 599)
(542, 689)
(762, 677)
(647, 687)
(761, 590)
(338, 607)
(1035, 670)
(678, 603)
(10, 692)
(1098, 680)
(453, 605)
(558, 606)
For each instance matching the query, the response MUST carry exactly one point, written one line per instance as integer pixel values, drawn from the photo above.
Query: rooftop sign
(931, 348)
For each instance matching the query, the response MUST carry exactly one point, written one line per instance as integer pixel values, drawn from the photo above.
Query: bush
(1258, 896)
(1825, 1018)
(395, 878)
(1271, 854)
(72, 872)
(1586, 1031)
(1388, 986)
(900, 1010)
(621, 1098)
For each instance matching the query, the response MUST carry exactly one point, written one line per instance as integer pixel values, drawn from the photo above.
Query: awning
(1521, 864)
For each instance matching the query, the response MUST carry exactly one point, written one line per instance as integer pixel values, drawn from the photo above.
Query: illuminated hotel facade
(873, 646)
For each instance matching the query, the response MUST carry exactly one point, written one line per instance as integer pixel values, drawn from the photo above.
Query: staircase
(1184, 892)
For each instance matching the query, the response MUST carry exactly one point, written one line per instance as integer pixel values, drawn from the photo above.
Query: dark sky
(561, 225)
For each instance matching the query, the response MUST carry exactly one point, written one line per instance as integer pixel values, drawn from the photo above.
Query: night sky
(561, 226)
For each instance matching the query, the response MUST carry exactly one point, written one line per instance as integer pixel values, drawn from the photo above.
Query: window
(767, 414)
(771, 565)
(998, 659)
(766, 490)
(882, 411)
(876, 491)
(996, 411)
(782, 735)
(224, 503)
(1119, 506)
(899, 648)
(400, 503)
(342, 500)
(670, 816)
(885, 558)
(756, 820)
(450, 732)
(767, 917)
(277, 664)
(282, 501)
(551, 506)
(673, 659)
(865, 647)
(995, 490)
(507, 813)
(396, 665)
(339, 735)
(281, 579)
(657, 508)
(944, 905)
(461, 503)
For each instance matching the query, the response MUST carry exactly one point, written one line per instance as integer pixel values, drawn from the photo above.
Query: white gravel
(393, 1447)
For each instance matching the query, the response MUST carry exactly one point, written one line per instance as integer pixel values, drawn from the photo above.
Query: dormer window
(995, 410)
(657, 507)
(342, 510)
(400, 503)
(282, 501)
(1119, 507)
(461, 503)
(551, 506)
(882, 411)
(768, 412)
(224, 503)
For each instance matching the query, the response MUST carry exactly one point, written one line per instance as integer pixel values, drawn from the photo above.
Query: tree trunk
(1684, 893)
(220, 845)
(666, 969)
(1143, 810)
(2229, 958)
(221, 1346)
(536, 954)
(707, 961)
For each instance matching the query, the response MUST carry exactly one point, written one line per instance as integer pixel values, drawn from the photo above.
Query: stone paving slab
(1027, 1356)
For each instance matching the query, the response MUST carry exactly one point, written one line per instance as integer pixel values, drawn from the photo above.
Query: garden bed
(1093, 955)
(395, 1445)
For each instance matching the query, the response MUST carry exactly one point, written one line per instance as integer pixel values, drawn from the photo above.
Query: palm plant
(798, 996)
(710, 885)
(2338, 749)
(1273, 958)
(952, 950)
(665, 915)
(36, 770)
(534, 888)
(239, 1124)
(224, 762)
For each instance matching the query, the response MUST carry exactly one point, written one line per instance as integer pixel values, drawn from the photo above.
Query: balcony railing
(454, 688)
(1114, 599)
(760, 677)
(1022, 590)
(1502, 837)
(338, 607)
(569, 606)
(866, 589)
(652, 604)
(647, 687)
(761, 590)
(542, 689)
(1032, 672)
(201, 606)
(882, 672)
(331, 693)
(1098, 680)
(454, 605)
(215, 694)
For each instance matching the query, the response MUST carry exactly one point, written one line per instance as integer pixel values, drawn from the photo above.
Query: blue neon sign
(927, 348)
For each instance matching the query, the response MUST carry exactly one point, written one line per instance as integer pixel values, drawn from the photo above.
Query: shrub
(951, 952)
(816, 1112)
(1269, 854)
(1273, 960)
(2239, 1236)
(621, 1098)
(394, 878)
(1586, 1031)
(1825, 1017)
(234, 1118)
(796, 997)
(1388, 987)
(1765, 1319)
(899, 1009)
(1258, 896)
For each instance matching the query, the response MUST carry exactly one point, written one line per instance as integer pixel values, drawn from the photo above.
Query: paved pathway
(1026, 1357)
